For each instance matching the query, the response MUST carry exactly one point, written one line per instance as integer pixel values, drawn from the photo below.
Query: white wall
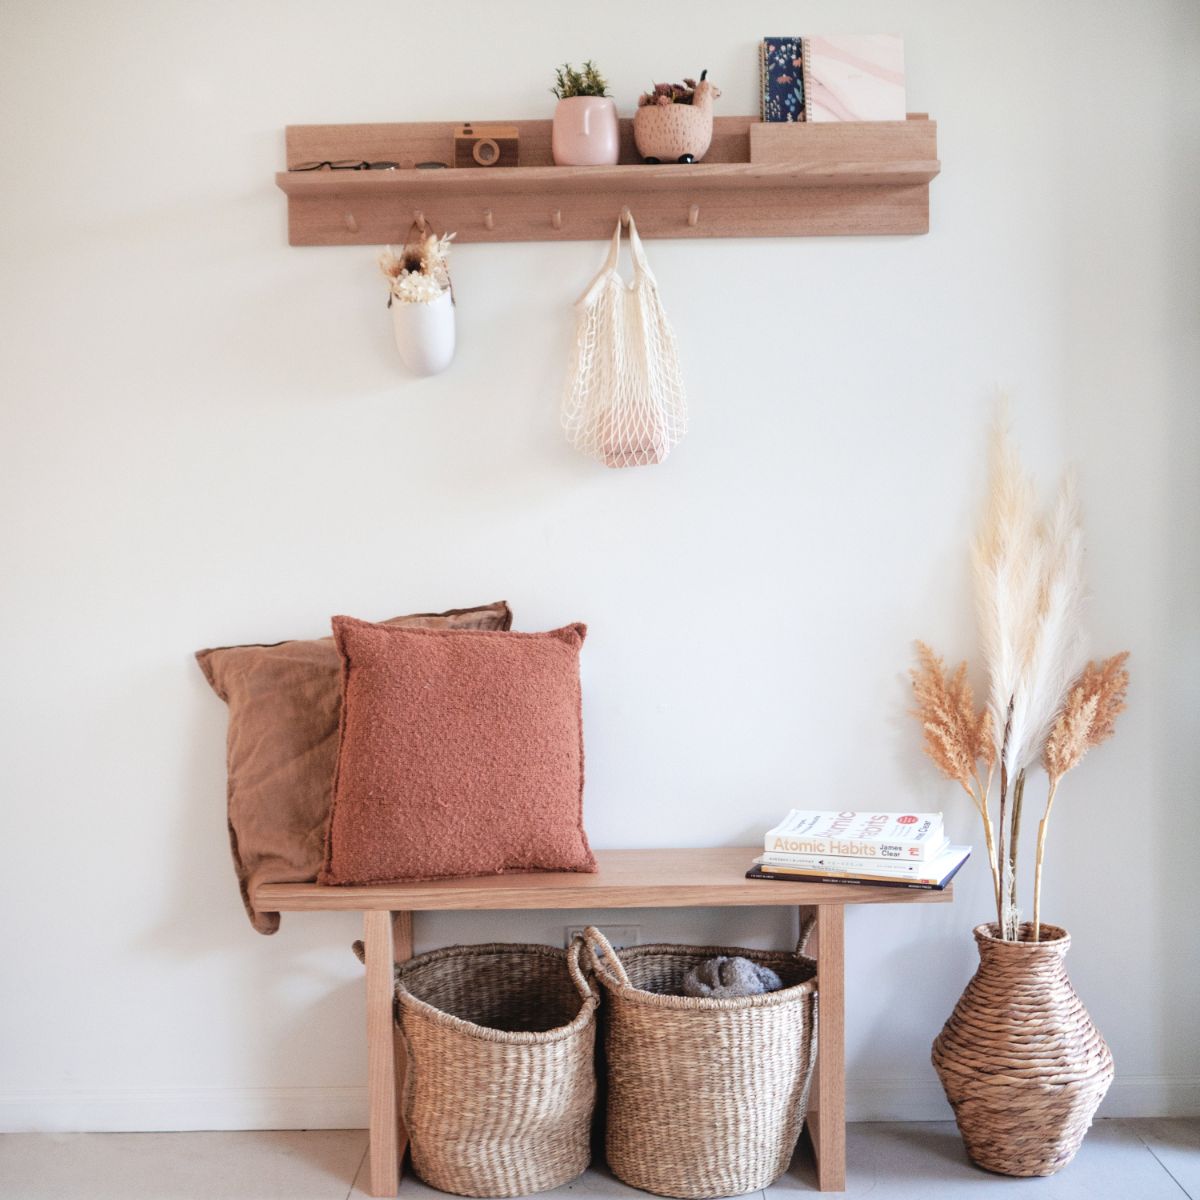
(208, 439)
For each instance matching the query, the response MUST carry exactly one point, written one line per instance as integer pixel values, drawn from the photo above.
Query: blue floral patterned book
(781, 62)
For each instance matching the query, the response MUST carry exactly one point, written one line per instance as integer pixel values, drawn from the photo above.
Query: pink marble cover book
(854, 77)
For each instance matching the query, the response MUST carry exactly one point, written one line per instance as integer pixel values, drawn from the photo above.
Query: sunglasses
(346, 164)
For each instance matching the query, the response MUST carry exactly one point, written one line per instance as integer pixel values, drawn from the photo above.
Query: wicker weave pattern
(1020, 1060)
(705, 1097)
(500, 1084)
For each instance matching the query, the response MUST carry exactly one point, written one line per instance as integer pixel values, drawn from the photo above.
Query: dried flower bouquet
(1028, 571)
(665, 94)
(420, 273)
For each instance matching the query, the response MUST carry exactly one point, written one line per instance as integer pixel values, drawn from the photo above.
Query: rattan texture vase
(1020, 1060)
(705, 1097)
(500, 1083)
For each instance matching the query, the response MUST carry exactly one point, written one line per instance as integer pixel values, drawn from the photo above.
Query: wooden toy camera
(486, 145)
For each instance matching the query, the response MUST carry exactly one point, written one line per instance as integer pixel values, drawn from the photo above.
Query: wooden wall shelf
(756, 181)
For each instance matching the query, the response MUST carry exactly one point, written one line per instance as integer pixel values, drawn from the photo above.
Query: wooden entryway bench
(625, 879)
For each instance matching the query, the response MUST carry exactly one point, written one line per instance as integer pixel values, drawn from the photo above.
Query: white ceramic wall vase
(425, 334)
(586, 132)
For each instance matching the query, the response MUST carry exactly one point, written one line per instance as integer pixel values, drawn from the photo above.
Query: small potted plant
(422, 301)
(674, 121)
(585, 132)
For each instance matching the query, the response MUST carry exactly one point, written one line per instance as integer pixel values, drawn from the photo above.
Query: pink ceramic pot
(586, 133)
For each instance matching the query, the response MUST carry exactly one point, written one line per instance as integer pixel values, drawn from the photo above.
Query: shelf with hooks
(756, 181)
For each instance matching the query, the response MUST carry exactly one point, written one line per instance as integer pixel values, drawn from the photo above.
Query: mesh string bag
(624, 402)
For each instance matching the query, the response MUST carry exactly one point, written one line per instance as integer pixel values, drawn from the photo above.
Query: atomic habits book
(904, 836)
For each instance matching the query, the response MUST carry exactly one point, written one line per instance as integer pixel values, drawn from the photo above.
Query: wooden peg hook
(489, 221)
(626, 217)
(556, 218)
(419, 219)
(351, 223)
(694, 215)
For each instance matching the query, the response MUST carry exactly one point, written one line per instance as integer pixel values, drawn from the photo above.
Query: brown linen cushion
(461, 754)
(284, 704)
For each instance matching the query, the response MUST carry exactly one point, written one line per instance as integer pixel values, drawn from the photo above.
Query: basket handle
(575, 963)
(807, 925)
(604, 957)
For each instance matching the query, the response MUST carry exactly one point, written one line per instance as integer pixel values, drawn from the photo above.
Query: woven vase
(1021, 1062)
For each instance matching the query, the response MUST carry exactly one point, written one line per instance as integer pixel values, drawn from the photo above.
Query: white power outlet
(618, 935)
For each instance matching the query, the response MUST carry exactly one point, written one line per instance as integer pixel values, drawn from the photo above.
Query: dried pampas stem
(1015, 835)
(956, 736)
(1011, 924)
(1043, 824)
(1088, 717)
(1001, 844)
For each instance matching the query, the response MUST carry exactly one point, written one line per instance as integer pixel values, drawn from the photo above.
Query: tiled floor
(1121, 1160)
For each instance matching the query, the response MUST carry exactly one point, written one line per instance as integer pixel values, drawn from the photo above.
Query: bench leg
(384, 941)
(402, 951)
(827, 1099)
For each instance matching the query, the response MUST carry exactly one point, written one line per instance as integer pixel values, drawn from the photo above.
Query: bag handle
(604, 957)
(807, 925)
(640, 265)
(610, 265)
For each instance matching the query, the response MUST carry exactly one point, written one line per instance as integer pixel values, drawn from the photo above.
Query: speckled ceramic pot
(676, 132)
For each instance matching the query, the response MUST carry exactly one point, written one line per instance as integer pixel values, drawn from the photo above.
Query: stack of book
(907, 850)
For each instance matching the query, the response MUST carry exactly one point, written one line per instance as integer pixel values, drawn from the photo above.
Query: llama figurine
(674, 123)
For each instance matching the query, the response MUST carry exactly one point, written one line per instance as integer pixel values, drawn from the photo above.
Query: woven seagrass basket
(500, 1083)
(705, 1097)
(1021, 1062)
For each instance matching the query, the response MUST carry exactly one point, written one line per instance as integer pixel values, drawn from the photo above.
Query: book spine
(849, 880)
(806, 76)
(855, 847)
(764, 91)
(830, 862)
(865, 873)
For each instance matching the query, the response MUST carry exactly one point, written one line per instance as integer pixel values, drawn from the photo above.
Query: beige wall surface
(207, 438)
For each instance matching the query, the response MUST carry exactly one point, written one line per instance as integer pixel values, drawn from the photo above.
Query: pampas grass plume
(1006, 558)
(956, 736)
(1088, 716)
(1057, 647)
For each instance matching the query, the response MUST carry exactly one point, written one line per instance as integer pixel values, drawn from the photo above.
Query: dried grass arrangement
(1044, 704)
(420, 273)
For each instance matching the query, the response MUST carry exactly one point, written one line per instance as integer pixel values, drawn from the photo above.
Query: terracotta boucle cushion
(461, 754)
(284, 704)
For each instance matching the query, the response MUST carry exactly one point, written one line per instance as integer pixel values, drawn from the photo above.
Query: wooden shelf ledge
(685, 179)
(709, 878)
(756, 181)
